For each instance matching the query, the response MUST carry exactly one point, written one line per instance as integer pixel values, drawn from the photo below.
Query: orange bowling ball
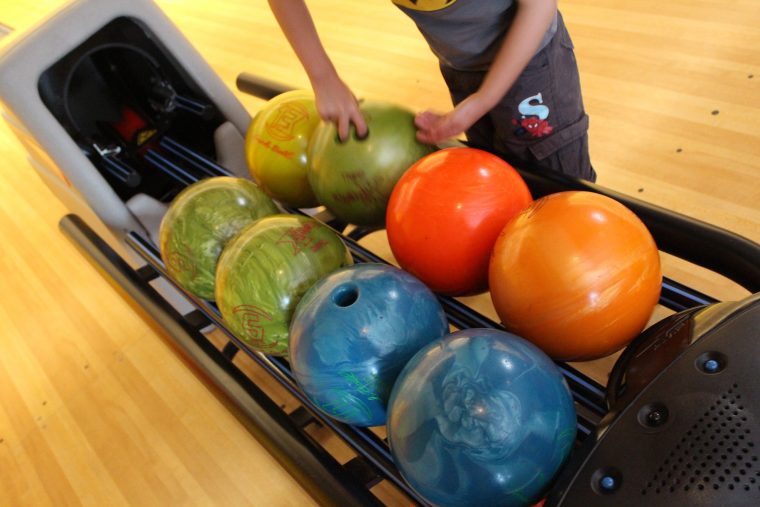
(445, 214)
(577, 273)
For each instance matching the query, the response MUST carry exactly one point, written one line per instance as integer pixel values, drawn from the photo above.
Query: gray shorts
(540, 123)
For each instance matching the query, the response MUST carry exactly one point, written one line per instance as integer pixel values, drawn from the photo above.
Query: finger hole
(361, 137)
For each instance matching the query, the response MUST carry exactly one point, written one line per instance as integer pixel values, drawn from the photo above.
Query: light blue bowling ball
(480, 418)
(353, 332)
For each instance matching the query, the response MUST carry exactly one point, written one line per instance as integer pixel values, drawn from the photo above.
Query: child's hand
(336, 104)
(432, 127)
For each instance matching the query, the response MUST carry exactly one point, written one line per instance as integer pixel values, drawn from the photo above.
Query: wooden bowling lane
(97, 408)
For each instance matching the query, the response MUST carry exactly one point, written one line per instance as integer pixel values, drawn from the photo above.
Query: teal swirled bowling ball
(481, 417)
(354, 331)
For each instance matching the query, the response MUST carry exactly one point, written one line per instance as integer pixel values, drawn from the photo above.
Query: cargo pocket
(566, 151)
(547, 147)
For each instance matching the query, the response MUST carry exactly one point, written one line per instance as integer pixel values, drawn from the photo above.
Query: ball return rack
(120, 115)
(282, 432)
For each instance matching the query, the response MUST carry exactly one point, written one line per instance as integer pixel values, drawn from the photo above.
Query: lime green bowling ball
(265, 271)
(354, 179)
(276, 147)
(200, 221)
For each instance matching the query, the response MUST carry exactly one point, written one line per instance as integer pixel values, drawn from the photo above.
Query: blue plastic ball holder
(481, 417)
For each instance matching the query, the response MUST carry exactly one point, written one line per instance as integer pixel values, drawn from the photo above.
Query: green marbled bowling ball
(354, 179)
(200, 221)
(264, 272)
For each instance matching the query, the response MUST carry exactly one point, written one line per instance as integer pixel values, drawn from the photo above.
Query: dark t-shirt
(465, 34)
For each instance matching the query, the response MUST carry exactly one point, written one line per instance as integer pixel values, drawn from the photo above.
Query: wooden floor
(97, 408)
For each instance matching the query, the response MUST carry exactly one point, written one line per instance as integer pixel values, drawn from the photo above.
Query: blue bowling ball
(481, 418)
(353, 332)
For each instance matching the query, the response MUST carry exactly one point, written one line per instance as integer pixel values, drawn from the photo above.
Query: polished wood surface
(96, 406)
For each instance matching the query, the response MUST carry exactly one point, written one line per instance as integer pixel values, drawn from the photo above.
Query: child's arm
(335, 102)
(530, 23)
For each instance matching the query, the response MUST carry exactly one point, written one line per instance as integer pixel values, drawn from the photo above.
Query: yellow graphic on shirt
(424, 5)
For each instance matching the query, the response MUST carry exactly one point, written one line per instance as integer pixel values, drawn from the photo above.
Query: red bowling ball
(445, 214)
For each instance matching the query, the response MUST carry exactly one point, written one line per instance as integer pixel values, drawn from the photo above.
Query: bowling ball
(352, 333)
(445, 214)
(481, 417)
(354, 179)
(264, 271)
(577, 273)
(276, 147)
(198, 223)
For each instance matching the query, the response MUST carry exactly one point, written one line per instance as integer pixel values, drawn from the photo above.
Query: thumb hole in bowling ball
(345, 295)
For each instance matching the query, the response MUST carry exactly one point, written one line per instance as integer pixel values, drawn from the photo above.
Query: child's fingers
(360, 123)
(343, 124)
